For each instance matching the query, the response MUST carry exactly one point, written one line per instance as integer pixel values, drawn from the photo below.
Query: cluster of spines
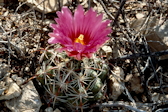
(74, 83)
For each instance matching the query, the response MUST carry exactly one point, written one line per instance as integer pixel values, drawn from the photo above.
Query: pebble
(12, 92)
(47, 6)
(49, 109)
(28, 101)
(3, 69)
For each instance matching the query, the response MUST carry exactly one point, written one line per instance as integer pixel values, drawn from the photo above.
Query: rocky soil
(134, 60)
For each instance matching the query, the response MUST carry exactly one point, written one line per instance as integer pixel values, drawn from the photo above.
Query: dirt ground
(135, 58)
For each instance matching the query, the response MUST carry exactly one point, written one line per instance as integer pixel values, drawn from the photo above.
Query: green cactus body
(74, 83)
(104, 72)
(98, 96)
(97, 85)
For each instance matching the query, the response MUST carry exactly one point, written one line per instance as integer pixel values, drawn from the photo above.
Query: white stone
(48, 21)
(107, 49)
(8, 80)
(17, 79)
(57, 110)
(12, 92)
(49, 109)
(14, 77)
(47, 6)
(155, 97)
(2, 90)
(116, 83)
(140, 15)
(28, 101)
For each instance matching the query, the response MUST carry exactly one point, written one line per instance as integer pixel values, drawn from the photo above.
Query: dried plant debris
(116, 83)
(128, 73)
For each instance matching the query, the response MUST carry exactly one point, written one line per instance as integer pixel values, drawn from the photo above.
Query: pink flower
(80, 35)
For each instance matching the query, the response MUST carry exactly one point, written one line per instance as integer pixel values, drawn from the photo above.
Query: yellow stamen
(80, 39)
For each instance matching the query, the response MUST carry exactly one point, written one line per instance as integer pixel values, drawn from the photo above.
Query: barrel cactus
(71, 82)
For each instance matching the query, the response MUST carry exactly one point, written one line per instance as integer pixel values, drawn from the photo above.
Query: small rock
(17, 79)
(3, 69)
(116, 83)
(46, 6)
(57, 110)
(2, 90)
(49, 109)
(2, 87)
(14, 77)
(15, 17)
(48, 21)
(12, 92)
(155, 97)
(140, 15)
(8, 81)
(28, 101)
(27, 69)
(163, 97)
(45, 29)
(6, 13)
(107, 50)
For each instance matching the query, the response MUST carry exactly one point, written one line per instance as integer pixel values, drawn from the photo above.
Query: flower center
(80, 39)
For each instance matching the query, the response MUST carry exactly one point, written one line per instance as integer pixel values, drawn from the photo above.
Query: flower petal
(56, 38)
(53, 39)
(91, 20)
(79, 47)
(65, 21)
(78, 19)
(68, 29)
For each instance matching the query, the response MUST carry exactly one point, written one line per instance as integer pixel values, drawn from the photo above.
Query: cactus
(74, 83)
